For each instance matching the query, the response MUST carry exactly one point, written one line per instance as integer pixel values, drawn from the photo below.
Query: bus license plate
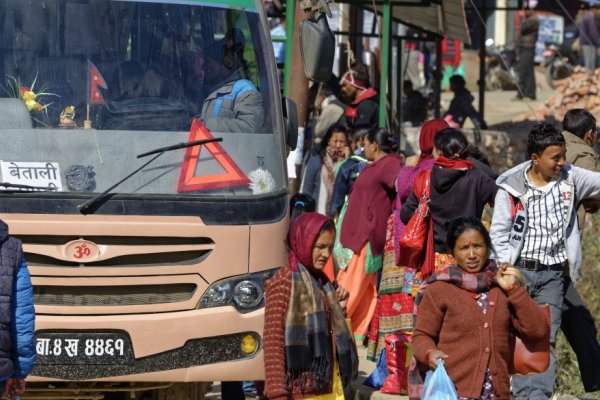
(83, 348)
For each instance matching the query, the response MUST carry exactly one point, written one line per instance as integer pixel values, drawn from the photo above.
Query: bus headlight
(247, 294)
(244, 292)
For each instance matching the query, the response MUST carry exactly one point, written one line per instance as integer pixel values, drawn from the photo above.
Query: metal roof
(445, 18)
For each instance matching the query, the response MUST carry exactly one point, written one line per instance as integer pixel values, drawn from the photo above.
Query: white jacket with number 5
(581, 184)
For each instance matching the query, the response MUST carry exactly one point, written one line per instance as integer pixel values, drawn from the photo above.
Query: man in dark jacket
(526, 39)
(357, 90)
(589, 36)
(579, 131)
(17, 317)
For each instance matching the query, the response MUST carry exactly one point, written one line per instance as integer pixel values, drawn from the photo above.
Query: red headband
(349, 77)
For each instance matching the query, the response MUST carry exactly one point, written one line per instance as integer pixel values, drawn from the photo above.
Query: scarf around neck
(454, 163)
(330, 158)
(313, 311)
(476, 282)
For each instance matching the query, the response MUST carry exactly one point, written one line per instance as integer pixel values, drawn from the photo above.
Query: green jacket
(580, 154)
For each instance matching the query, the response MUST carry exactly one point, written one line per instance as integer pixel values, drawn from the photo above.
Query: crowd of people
(477, 282)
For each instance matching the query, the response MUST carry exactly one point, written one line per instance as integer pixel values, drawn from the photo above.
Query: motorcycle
(500, 67)
(558, 62)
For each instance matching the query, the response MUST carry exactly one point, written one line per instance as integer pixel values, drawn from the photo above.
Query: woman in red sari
(364, 227)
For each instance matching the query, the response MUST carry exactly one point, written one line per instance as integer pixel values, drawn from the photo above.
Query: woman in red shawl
(309, 351)
(393, 313)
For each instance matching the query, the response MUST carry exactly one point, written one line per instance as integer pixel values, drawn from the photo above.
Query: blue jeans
(545, 287)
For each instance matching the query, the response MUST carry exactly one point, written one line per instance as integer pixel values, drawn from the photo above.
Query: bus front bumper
(190, 346)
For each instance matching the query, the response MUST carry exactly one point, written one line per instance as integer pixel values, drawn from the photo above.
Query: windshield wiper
(85, 208)
(182, 145)
(8, 185)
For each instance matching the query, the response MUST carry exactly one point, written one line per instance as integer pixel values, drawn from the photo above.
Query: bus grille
(45, 251)
(132, 260)
(112, 295)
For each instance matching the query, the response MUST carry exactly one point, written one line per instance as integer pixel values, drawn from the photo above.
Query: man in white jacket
(535, 228)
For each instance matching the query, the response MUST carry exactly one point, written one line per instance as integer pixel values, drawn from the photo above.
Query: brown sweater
(450, 320)
(277, 298)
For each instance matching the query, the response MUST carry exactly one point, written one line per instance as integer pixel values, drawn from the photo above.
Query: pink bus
(148, 269)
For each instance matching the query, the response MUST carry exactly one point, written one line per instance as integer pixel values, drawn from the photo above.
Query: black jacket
(415, 108)
(454, 193)
(461, 108)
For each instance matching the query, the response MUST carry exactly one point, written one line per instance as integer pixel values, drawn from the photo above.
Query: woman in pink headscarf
(393, 313)
(309, 351)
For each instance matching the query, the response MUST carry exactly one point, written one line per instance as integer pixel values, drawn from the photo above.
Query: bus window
(140, 72)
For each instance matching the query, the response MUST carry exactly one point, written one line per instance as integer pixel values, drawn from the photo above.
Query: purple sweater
(588, 31)
(370, 205)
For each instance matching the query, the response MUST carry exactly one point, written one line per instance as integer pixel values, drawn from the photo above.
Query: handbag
(413, 239)
(341, 255)
(399, 353)
(377, 377)
(531, 356)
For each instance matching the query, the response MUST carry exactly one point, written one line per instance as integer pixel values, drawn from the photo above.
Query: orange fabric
(442, 260)
(363, 293)
(329, 270)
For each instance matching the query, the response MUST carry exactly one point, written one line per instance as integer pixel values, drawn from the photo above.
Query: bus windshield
(87, 85)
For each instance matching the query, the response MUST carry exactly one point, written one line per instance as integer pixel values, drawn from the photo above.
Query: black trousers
(232, 391)
(580, 330)
(526, 72)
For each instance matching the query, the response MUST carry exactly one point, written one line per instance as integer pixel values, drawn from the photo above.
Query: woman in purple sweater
(364, 226)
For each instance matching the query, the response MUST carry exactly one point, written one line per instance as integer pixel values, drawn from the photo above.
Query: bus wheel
(184, 391)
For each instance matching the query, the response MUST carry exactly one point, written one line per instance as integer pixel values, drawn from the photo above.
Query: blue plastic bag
(438, 385)
(377, 377)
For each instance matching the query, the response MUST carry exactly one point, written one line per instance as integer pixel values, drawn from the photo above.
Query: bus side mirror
(290, 116)
(317, 47)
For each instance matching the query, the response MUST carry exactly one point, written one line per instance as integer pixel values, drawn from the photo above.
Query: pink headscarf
(428, 132)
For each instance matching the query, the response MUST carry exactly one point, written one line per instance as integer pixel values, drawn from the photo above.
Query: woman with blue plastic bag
(466, 312)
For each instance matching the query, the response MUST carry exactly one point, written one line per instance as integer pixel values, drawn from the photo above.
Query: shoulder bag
(531, 356)
(413, 240)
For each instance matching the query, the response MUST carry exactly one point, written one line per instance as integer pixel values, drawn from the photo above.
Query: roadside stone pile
(580, 90)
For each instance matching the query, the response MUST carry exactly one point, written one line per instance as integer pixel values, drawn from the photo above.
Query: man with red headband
(363, 108)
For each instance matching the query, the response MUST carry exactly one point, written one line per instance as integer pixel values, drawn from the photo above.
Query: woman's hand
(508, 277)
(346, 152)
(342, 297)
(433, 358)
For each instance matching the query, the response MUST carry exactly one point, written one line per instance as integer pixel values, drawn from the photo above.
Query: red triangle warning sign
(189, 182)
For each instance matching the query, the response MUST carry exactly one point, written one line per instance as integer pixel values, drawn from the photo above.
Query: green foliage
(568, 380)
